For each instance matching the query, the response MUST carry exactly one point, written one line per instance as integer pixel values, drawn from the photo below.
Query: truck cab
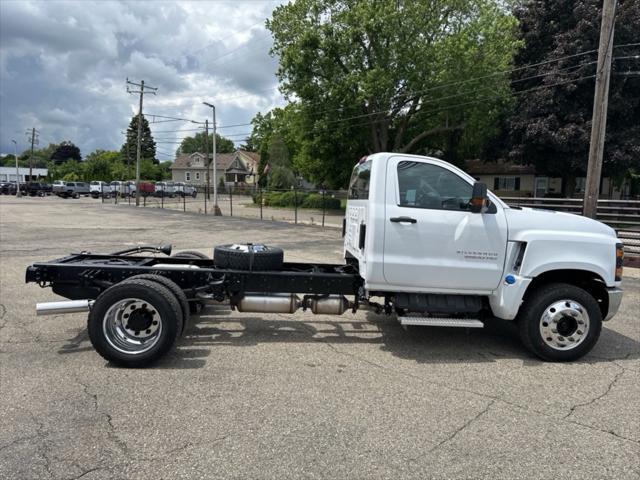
(429, 237)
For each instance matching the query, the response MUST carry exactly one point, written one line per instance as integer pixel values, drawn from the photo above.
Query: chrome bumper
(615, 297)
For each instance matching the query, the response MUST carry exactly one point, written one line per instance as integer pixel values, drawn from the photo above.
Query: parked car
(130, 188)
(117, 188)
(59, 186)
(34, 189)
(185, 190)
(98, 189)
(71, 189)
(7, 187)
(147, 189)
(165, 189)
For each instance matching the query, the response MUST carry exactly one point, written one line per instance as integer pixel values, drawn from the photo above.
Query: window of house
(197, 175)
(580, 184)
(423, 185)
(187, 176)
(3, 177)
(506, 183)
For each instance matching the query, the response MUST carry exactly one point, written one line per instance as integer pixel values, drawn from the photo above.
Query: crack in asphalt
(598, 397)
(86, 472)
(113, 436)
(18, 440)
(484, 395)
(3, 313)
(464, 426)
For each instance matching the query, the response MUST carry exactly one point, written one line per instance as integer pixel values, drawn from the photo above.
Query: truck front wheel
(134, 323)
(560, 322)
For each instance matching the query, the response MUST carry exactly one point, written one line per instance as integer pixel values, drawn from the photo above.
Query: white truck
(422, 240)
(99, 189)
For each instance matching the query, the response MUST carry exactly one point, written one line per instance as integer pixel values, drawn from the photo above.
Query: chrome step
(441, 322)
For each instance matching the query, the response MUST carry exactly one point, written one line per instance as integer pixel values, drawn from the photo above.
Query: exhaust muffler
(269, 303)
(58, 308)
(290, 303)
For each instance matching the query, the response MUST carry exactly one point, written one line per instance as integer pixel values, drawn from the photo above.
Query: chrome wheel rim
(564, 325)
(132, 326)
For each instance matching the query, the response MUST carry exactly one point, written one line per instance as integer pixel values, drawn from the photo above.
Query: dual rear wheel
(137, 321)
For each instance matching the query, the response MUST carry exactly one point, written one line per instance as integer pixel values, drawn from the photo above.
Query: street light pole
(15, 149)
(216, 208)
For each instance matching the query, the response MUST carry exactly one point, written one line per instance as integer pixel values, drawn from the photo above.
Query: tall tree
(196, 144)
(129, 149)
(65, 151)
(370, 76)
(551, 125)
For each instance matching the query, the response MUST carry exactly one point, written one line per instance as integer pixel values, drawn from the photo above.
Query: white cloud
(63, 66)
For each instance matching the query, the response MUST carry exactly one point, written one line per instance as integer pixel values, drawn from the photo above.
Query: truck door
(432, 242)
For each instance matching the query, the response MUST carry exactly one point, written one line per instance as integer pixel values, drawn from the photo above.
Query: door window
(423, 185)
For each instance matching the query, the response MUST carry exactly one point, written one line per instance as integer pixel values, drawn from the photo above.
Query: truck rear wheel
(248, 257)
(134, 323)
(173, 288)
(560, 322)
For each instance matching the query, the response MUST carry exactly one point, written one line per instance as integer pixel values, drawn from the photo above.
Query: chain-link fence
(306, 206)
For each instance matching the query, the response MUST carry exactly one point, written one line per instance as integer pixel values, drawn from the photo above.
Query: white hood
(521, 221)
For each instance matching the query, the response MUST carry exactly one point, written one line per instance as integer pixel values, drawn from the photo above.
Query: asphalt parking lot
(292, 396)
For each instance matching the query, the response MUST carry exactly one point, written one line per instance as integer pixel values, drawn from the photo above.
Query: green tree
(371, 76)
(196, 144)
(280, 122)
(130, 147)
(65, 151)
(69, 170)
(104, 165)
(550, 127)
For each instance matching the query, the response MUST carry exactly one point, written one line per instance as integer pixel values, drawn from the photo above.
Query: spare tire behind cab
(248, 257)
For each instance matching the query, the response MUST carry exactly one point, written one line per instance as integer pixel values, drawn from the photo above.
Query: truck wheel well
(589, 281)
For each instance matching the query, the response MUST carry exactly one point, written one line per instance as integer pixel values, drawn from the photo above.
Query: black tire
(530, 322)
(190, 254)
(158, 298)
(267, 258)
(174, 288)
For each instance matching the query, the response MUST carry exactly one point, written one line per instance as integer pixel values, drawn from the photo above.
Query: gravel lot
(292, 396)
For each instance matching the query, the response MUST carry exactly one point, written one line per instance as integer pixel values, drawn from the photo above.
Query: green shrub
(314, 200)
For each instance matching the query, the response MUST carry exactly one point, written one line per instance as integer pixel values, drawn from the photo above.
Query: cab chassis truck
(422, 240)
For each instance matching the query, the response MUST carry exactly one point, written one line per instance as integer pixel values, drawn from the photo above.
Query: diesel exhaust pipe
(58, 308)
(290, 303)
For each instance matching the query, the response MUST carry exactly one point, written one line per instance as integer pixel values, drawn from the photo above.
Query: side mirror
(479, 198)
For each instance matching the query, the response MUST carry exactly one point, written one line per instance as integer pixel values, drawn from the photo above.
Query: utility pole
(206, 156)
(152, 91)
(216, 208)
(34, 140)
(15, 149)
(600, 103)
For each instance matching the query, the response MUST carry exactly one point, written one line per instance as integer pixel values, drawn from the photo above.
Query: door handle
(403, 220)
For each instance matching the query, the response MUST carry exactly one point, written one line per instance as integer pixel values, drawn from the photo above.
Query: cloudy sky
(63, 67)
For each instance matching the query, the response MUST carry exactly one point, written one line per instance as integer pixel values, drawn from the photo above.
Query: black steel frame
(87, 275)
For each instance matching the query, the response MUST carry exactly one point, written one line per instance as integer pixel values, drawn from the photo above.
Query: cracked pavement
(292, 396)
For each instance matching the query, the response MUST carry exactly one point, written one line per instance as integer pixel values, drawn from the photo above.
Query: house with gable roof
(239, 168)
